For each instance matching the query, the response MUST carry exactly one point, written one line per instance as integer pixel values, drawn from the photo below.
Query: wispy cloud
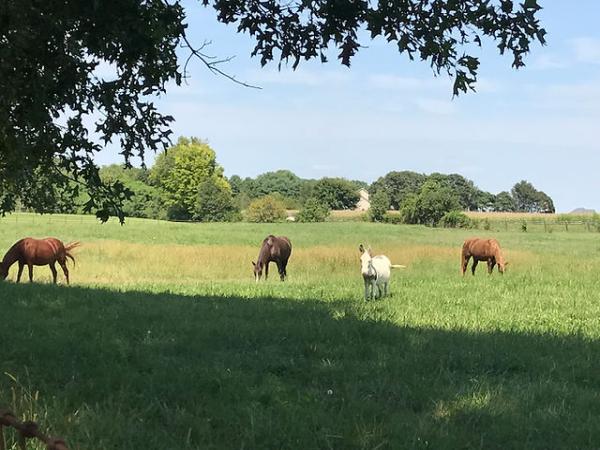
(435, 106)
(549, 61)
(587, 50)
(300, 77)
(395, 82)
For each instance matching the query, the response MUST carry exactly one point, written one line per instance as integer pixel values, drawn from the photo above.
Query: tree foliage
(283, 182)
(313, 211)
(181, 171)
(504, 202)
(380, 203)
(269, 208)
(528, 199)
(75, 75)
(398, 185)
(455, 219)
(336, 193)
(214, 202)
(429, 205)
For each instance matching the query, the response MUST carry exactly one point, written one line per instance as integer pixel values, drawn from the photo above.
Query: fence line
(27, 430)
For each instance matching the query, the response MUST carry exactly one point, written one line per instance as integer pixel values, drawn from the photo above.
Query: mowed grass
(163, 340)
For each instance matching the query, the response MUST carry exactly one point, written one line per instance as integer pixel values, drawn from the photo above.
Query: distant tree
(430, 205)
(313, 211)
(146, 200)
(283, 182)
(180, 172)
(266, 209)
(525, 196)
(336, 193)
(398, 185)
(528, 199)
(486, 201)
(380, 203)
(306, 189)
(214, 202)
(465, 190)
(236, 184)
(504, 202)
(544, 203)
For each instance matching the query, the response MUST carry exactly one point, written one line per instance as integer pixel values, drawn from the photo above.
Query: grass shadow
(155, 371)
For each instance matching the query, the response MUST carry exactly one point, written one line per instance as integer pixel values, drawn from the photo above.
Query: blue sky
(386, 113)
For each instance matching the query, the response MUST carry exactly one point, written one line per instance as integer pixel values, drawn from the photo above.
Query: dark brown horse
(274, 248)
(482, 250)
(38, 252)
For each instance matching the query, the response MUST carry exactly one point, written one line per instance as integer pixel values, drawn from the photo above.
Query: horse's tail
(70, 246)
(398, 266)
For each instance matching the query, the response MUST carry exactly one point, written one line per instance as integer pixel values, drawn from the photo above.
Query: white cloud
(435, 106)
(395, 82)
(587, 50)
(548, 61)
(300, 77)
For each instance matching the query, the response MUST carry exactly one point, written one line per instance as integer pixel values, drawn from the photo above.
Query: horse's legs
(30, 267)
(491, 263)
(63, 264)
(474, 266)
(21, 266)
(53, 270)
(366, 290)
(284, 269)
(464, 263)
(281, 271)
(267, 270)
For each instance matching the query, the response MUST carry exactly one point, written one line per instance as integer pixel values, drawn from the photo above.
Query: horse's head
(257, 270)
(366, 262)
(502, 265)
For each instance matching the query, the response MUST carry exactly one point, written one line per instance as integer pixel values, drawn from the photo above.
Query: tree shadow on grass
(155, 371)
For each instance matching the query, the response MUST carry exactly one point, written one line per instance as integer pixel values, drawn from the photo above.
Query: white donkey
(376, 271)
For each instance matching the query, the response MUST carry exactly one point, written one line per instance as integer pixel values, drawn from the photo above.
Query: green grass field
(164, 341)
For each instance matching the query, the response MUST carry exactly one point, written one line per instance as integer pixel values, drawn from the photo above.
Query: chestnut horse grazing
(482, 250)
(38, 252)
(274, 248)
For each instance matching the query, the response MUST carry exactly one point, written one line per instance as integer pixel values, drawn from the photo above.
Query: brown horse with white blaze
(274, 248)
(38, 252)
(482, 250)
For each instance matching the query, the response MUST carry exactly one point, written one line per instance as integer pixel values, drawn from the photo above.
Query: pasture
(164, 340)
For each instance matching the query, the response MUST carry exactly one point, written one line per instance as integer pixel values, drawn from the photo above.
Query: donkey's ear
(369, 251)
(507, 263)
(253, 263)
(361, 248)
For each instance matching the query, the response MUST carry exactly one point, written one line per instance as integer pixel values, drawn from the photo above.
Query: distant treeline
(186, 183)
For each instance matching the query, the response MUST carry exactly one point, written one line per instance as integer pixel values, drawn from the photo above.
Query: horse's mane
(12, 250)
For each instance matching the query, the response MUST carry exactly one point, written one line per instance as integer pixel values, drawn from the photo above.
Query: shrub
(266, 209)
(486, 224)
(392, 218)
(214, 202)
(313, 211)
(380, 203)
(455, 219)
(429, 206)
